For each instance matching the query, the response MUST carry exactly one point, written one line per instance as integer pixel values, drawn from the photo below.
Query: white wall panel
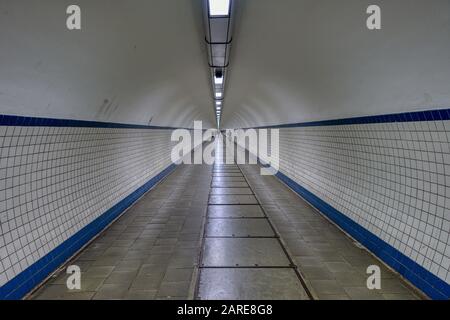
(393, 179)
(55, 181)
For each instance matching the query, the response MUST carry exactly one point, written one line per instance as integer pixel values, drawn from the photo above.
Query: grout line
(242, 237)
(247, 267)
(236, 218)
(303, 282)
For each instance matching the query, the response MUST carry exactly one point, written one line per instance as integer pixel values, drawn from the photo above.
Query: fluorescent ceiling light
(219, 103)
(218, 94)
(219, 7)
(218, 80)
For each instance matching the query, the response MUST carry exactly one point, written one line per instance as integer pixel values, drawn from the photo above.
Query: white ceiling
(292, 61)
(132, 61)
(303, 60)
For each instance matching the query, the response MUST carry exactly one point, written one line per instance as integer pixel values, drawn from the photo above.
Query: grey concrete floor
(151, 252)
(242, 256)
(223, 232)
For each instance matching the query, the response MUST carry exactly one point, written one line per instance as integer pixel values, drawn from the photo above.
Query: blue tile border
(21, 121)
(28, 279)
(423, 279)
(416, 116)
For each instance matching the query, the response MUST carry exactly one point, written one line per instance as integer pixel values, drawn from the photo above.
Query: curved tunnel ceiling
(133, 61)
(305, 60)
(143, 61)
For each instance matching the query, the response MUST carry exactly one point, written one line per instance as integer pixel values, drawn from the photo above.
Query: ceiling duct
(218, 20)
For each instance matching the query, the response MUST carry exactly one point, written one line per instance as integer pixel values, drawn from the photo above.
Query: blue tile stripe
(429, 115)
(28, 279)
(423, 279)
(430, 284)
(20, 121)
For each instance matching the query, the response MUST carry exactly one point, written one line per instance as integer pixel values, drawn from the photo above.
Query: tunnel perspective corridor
(211, 232)
(225, 150)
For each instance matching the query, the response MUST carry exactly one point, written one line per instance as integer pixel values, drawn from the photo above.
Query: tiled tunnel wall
(391, 179)
(56, 182)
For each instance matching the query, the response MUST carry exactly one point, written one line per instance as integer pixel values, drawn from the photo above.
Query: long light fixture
(218, 20)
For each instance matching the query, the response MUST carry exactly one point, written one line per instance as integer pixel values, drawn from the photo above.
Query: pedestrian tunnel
(224, 150)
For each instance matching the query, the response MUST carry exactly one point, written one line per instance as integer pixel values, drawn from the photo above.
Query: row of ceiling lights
(218, 26)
